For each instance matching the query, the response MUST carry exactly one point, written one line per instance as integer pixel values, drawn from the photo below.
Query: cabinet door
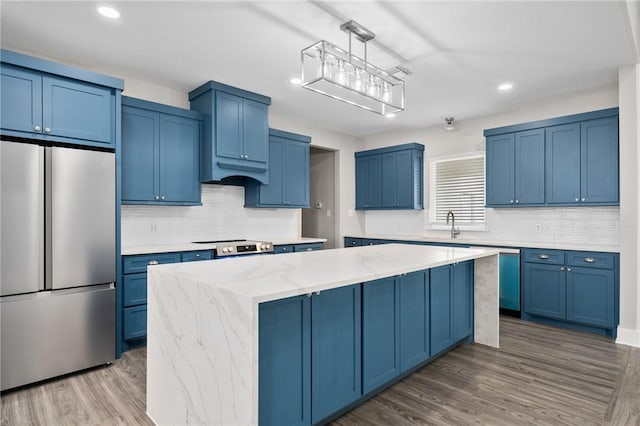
(389, 180)
(272, 193)
(590, 296)
(562, 164)
(134, 322)
(374, 180)
(296, 174)
(77, 110)
(414, 319)
(529, 170)
(135, 289)
(335, 350)
(599, 160)
(255, 130)
(307, 247)
(362, 182)
(544, 290)
(462, 299)
(405, 175)
(229, 126)
(21, 99)
(500, 159)
(380, 333)
(440, 309)
(140, 154)
(179, 155)
(284, 382)
(510, 281)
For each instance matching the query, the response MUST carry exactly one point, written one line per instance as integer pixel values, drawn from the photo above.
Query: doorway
(319, 220)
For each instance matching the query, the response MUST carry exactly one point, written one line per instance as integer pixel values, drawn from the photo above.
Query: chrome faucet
(454, 231)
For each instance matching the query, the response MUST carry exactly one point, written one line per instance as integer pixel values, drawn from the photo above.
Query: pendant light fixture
(339, 74)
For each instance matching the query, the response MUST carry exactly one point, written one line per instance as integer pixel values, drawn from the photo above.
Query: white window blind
(457, 185)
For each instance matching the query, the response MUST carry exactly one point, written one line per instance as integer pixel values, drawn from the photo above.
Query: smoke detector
(448, 127)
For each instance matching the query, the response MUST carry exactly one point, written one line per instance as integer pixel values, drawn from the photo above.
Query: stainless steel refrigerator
(57, 261)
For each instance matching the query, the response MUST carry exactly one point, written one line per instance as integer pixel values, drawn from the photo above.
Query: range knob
(263, 246)
(231, 248)
(225, 249)
(268, 246)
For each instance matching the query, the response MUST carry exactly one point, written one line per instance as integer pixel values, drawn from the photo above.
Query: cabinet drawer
(135, 322)
(307, 247)
(283, 249)
(135, 289)
(591, 259)
(192, 256)
(352, 242)
(552, 257)
(135, 264)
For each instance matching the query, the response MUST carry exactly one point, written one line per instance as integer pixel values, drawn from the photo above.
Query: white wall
(320, 221)
(629, 92)
(569, 225)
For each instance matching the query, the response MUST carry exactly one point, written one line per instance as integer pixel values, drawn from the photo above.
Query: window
(457, 185)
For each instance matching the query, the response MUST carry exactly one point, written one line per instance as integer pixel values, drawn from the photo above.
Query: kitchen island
(203, 341)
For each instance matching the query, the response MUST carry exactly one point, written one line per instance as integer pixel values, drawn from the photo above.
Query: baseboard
(627, 336)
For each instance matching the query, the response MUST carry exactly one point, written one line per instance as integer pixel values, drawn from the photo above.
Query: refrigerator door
(80, 218)
(21, 218)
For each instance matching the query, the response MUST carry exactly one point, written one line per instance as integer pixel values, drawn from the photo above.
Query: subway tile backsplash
(221, 216)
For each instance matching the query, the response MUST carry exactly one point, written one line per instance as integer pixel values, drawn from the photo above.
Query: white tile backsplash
(221, 216)
(581, 225)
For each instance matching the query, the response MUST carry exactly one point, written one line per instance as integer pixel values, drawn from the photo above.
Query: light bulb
(342, 74)
(372, 90)
(386, 92)
(357, 83)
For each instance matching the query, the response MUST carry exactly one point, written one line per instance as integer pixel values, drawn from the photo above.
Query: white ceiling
(459, 52)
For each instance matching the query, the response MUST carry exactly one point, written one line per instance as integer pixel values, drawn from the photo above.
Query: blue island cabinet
(309, 356)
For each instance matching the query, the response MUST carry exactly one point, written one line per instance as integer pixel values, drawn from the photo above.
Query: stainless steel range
(226, 248)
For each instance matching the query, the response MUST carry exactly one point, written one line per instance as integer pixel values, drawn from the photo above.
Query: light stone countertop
(174, 247)
(262, 279)
(481, 242)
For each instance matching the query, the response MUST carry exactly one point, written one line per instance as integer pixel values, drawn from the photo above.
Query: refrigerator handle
(48, 248)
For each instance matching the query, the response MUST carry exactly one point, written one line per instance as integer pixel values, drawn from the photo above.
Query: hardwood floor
(540, 376)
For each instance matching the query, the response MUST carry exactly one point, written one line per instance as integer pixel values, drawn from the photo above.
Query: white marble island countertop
(262, 279)
(202, 318)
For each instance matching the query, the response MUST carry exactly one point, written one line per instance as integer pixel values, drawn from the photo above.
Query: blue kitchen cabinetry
(573, 289)
(296, 248)
(288, 173)
(564, 161)
(132, 294)
(160, 154)
(52, 102)
(390, 178)
(515, 168)
(510, 281)
(236, 132)
(309, 356)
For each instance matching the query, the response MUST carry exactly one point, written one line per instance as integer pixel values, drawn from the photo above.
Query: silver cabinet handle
(157, 197)
(152, 262)
(562, 268)
(309, 249)
(318, 293)
(37, 128)
(511, 201)
(517, 201)
(583, 200)
(577, 199)
(589, 259)
(568, 269)
(543, 256)
(162, 197)
(197, 255)
(47, 130)
(309, 294)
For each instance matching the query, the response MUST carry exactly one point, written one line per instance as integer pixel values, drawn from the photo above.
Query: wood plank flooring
(541, 375)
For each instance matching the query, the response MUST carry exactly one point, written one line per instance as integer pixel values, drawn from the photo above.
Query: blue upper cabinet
(599, 161)
(390, 178)
(52, 102)
(236, 132)
(288, 173)
(160, 154)
(563, 164)
(565, 161)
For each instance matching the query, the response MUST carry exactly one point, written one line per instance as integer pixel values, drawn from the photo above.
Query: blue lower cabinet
(194, 256)
(440, 309)
(413, 294)
(462, 300)
(335, 350)
(352, 242)
(380, 333)
(135, 322)
(288, 248)
(590, 296)
(510, 281)
(545, 290)
(285, 362)
(135, 289)
(307, 247)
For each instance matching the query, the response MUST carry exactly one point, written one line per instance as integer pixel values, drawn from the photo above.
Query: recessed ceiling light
(296, 81)
(108, 12)
(505, 87)
(389, 115)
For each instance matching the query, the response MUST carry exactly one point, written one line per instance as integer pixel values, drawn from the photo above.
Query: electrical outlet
(154, 227)
(538, 227)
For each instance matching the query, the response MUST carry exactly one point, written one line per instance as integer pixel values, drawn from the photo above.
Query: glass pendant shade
(334, 72)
